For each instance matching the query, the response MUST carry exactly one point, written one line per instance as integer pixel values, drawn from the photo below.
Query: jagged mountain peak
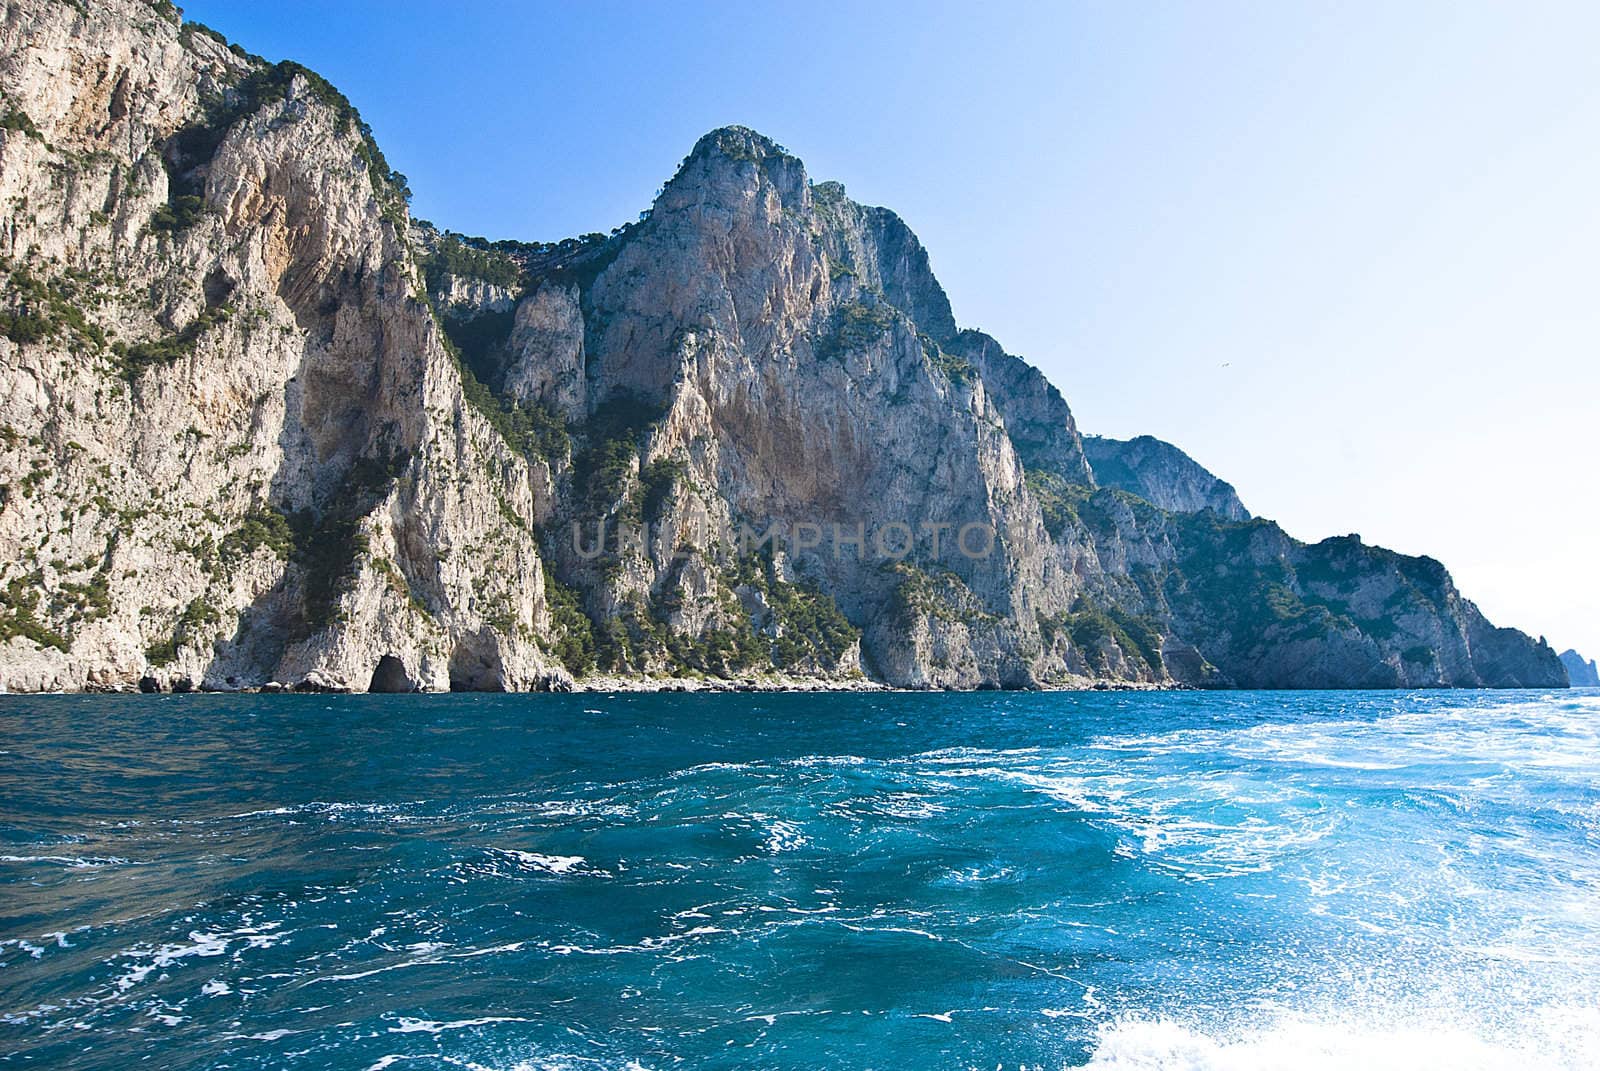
(728, 168)
(735, 171)
(738, 143)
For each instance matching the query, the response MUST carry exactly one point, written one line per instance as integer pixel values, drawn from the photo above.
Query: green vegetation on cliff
(134, 359)
(573, 632)
(809, 627)
(531, 429)
(855, 326)
(452, 256)
(1091, 629)
(19, 613)
(1058, 500)
(49, 307)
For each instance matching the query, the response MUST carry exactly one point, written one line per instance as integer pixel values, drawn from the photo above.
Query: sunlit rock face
(1162, 475)
(234, 448)
(262, 429)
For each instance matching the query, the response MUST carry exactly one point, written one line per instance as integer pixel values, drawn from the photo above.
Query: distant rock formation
(1580, 673)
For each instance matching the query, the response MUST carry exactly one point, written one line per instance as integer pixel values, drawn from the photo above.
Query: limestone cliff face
(752, 322)
(1162, 475)
(1037, 418)
(763, 332)
(234, 448)
(258, 426)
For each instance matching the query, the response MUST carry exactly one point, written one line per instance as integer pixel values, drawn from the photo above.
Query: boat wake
(1555, 1038)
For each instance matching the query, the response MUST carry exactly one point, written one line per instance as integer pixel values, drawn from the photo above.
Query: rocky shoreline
(618, 685)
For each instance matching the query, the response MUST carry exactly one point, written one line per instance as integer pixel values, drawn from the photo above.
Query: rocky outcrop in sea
(1581, 672)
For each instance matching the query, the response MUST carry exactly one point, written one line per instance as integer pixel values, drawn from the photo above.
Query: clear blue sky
(1346, 255)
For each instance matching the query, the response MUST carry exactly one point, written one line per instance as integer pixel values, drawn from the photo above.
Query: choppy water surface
(1245, 880)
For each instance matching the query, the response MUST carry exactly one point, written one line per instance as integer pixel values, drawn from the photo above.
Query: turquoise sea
(1035, 881)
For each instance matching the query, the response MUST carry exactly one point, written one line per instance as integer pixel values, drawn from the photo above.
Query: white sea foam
(514, 862)
(394, 812)
(784, 837)
(648, 944)
(977, 875)
(553, 864)
(71, 862)
(202, 945)
(555, 1062)
(1558, 1038)
(430, 1026)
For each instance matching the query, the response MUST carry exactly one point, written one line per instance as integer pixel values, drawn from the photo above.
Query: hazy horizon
(1346, 259)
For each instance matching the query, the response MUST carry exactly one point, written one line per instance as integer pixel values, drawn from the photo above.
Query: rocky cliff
(258, 427)
(236, 449)
(1581, 672)
(1162, 475)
